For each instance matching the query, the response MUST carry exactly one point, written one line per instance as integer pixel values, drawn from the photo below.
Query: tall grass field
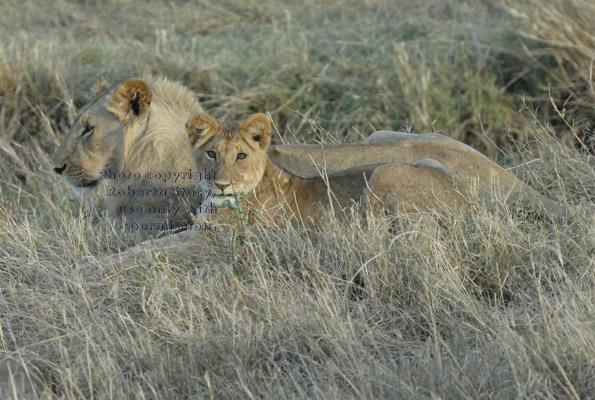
(489, 304)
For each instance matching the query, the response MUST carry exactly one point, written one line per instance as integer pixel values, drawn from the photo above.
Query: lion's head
(96, 140)
(236, 153)
(137, 126)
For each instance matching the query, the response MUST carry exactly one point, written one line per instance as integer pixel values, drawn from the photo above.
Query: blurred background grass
(458, 67)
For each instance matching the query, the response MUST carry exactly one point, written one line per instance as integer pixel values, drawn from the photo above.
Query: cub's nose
(222, 186)
(59, 170)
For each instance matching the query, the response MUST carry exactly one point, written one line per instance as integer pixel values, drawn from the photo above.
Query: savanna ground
(493, 304)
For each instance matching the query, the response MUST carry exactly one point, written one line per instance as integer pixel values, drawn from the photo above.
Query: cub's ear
(130, 101)
(100, 86)
(201, 128)
(258, 129)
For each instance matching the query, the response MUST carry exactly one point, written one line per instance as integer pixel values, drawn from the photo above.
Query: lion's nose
(222, 186)
(59, 170)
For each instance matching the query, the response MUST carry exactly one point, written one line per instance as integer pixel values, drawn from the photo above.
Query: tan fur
(471, 169)
(138, 126)
(433, 172)
(130, 101)
(276, 190)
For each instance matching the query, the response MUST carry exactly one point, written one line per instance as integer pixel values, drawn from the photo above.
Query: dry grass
(488, 305)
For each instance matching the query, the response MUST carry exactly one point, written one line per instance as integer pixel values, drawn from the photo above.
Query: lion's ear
(201, 128)
(258, 129)
(130, 100)
(100, 86)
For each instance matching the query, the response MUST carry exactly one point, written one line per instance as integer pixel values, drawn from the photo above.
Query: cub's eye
(87, 131)
(212, 154)
(241, 156)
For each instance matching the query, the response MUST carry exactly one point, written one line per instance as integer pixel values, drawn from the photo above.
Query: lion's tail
(528, 198)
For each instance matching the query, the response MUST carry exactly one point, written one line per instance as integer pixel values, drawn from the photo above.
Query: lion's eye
(87, 131)
(241, 156)
(212, 154)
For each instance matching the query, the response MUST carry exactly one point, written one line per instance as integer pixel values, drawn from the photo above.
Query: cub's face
(235, 154)
(96, 139)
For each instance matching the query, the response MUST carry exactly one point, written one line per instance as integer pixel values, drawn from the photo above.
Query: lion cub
(237, 154)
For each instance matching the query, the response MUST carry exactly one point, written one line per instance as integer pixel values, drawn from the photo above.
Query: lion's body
(413, 154)
(398, 171)
(396, 186)
(137, 127)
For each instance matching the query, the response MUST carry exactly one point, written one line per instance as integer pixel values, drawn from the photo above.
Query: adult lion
(133, 135)
(437, 176)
